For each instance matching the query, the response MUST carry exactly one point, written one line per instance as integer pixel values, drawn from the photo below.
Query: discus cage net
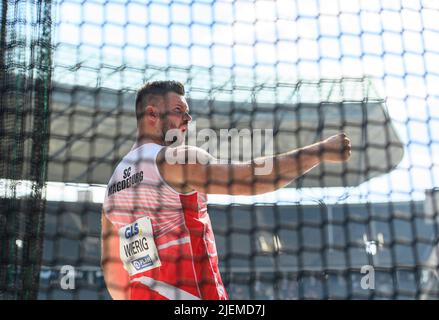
(305, 69)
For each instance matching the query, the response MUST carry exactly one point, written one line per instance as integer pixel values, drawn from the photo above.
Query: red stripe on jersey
(206, 267)
(141, 292)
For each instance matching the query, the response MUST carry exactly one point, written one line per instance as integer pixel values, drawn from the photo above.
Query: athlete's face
(175, 118)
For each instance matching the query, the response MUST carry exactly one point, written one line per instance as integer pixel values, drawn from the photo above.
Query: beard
(171, 135)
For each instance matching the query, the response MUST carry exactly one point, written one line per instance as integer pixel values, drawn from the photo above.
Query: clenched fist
(336, 148)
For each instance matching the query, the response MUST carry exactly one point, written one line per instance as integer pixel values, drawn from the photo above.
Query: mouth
(183, 128)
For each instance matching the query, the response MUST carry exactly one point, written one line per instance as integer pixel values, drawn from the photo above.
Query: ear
(151, 113)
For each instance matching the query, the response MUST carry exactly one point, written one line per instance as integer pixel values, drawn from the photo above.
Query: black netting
(304, 69)
(25, 63)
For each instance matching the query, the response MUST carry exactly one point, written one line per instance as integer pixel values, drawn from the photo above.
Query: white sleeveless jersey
(166, 238)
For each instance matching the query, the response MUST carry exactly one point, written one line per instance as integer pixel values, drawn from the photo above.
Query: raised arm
(200, 171)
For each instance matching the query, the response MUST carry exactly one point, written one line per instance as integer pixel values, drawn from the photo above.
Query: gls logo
(131, 231)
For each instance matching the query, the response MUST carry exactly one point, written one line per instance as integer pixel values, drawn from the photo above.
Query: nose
(187, 117)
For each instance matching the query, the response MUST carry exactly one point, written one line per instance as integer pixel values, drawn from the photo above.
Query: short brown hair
(155, 88)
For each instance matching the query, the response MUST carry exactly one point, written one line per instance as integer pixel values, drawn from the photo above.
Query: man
(157, 239)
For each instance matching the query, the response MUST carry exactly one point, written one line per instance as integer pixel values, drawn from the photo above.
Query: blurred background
(306, 69)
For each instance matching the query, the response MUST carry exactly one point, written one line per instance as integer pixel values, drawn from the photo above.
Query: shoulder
(184, 155)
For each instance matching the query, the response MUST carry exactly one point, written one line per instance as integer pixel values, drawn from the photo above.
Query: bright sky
(395, 43)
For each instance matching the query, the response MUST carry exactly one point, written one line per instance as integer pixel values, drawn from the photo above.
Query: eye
(178, 111)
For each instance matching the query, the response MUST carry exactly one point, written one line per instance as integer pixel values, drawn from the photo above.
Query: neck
(142, 139)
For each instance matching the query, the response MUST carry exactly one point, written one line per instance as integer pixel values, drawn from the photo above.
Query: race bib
(137, 247)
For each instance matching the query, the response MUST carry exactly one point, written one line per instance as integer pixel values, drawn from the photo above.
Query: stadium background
(306, 69)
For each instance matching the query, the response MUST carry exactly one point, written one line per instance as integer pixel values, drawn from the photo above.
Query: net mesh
(305, 69)
(25, 62)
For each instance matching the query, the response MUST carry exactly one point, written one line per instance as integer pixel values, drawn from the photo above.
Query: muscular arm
(115, 276)
(206, 174)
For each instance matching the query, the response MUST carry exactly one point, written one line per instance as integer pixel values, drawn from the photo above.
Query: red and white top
(166, 238)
